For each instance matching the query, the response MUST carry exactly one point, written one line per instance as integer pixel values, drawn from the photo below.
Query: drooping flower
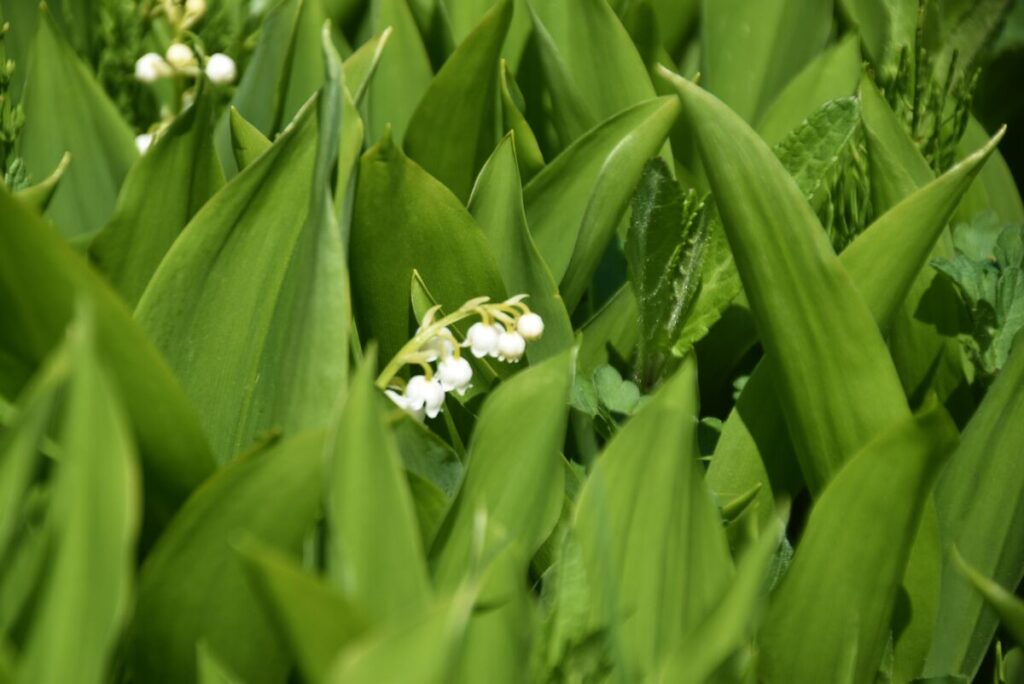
(455, 373)
(403, 402)
(482, 339)
(425, 394)
(180, 56)
(530, 326)
(511, 346)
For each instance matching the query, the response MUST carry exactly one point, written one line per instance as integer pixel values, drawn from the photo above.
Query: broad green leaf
(497, 205)
(40, 279)
(576, 202)
(247, 142)
(94, 518)
(316, 621)
(161, 194)
(373, 550)
(749, 50)
(40, 194)
(286, 68)
(733, 621)
(100, 142)
(979, 502)
(531, 159)
(1009, 608)
(835, 396)
(514, 475)
(404, 72)
(964, 31)
(424, 649)
(842, 584)
(882, 262)
(456, 126)
(651, 537)
(424, 228)
(833, 74)
(592, 67)
(262, 257)
(193, 586)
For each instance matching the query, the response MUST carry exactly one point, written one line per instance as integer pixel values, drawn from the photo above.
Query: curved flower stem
(417, 342)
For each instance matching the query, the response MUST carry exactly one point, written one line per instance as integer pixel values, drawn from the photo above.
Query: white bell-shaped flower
(454, 374)
(143, 142)
(151, 67)
(530, 326)
(221, 69)
(195, 8)
(511, 346)
(404, 403)
(180, 56)
(482, 339)
(424, 394)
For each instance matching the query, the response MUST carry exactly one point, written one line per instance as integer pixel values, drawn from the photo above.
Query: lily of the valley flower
(151, 67)
(180, 56)
(143, 142)
(502, 333)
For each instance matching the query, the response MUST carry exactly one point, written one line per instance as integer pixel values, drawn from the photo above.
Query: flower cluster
(179, 61)
(501, 333)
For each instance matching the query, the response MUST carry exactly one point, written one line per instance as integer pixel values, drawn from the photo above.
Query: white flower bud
(143, 141)
(151, 67)
(511, 346)
(530, 326)
(455, 374)
(221, 69)
(482, 339)
(180, 56)
(424, 394)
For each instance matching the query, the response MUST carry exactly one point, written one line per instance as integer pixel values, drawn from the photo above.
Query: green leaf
(422, 650)
(374, 554)
(210, 669)
(455, 127)
(247, 142)
(882, 263)
(576, 202)
(285, 288)
(360, 66)
(40, 278)
(497, 205)
(531, 159)
(729, 627)
(996, 189)
(748, 50)
(592, 67)
(837, 396)
(979, 503)
(426, 229)
(514, 475)
(613, 326)
(885, 26)
(286, 68)
(651, 537)
(94, 518)
(161, 194)
(665, 254)
(193, 586)
(833, 74)
(1009, 608)
(404, 72)
(317, 622)
(842, 584)
(100, 142)
(614, 393)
